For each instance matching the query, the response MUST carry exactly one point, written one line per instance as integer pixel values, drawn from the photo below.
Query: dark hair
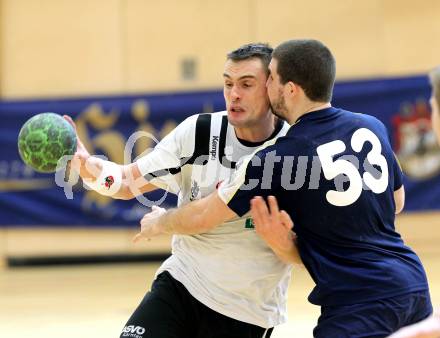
(434, 77)
(309, 64)
(260, 51)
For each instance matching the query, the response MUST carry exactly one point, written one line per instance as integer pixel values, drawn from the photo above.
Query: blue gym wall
(30, 198)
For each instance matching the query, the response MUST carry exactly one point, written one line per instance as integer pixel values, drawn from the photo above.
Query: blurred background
(119, 66)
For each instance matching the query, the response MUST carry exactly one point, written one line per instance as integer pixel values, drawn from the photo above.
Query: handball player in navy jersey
(335, 176)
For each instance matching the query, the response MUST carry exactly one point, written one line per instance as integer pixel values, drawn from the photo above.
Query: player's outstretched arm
(131, 182)
(275, 228)
(193, 218)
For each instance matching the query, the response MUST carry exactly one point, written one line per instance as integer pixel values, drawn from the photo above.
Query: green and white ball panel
(44, 139)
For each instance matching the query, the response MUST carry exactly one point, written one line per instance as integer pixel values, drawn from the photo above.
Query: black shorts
(169, 311)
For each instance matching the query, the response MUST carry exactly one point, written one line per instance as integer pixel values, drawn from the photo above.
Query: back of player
(353, 214)
(342, 201)
(336, 179)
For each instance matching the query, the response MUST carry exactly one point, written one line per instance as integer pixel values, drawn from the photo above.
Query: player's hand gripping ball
(44, 139)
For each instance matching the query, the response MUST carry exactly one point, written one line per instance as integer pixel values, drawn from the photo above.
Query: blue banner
(105, 124)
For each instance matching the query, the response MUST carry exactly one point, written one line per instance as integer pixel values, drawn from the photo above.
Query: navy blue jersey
(335, 174)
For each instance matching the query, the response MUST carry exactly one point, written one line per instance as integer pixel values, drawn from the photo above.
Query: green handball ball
(44, 139)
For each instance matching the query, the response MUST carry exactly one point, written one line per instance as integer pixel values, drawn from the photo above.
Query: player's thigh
(235, 331)
(420, 309)
(242, 331)
(161, 313)
(372, 319)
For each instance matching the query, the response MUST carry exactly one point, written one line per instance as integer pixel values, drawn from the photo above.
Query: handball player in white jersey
(225, 282)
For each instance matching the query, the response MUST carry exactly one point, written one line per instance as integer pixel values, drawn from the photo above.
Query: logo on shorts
(133, 331)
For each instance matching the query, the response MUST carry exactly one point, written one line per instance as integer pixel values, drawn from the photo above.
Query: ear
(291, 89)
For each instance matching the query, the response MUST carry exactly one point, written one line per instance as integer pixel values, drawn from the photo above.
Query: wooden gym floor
(96, 300)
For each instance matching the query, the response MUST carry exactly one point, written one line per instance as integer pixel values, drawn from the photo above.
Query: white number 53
(331, 168)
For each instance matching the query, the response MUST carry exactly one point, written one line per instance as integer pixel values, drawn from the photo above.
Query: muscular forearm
(90, 169)
(132, 184)
(183, 221)
(127, 181)
(196, 217)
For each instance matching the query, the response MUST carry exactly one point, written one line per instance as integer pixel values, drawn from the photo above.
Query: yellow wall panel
(89, 47)
(60, 47)
(353, 30)
(412, 37)
(160, 34)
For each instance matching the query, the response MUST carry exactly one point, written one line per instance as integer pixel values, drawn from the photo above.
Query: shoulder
(188, 122)
(366, 121)
(220, 113)
(204, 120)
(199, 121)
(283, 145)
(369, 119)
(193, 118)
(187, 129)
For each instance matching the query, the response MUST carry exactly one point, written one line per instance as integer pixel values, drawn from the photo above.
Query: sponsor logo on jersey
(249, 224)
(414, 141)
(213, 151)
(133, 331)
(108, 181)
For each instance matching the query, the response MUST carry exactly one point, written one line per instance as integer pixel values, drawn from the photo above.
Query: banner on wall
(105, 124)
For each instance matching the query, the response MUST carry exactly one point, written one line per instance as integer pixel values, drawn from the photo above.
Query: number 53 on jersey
(332, 168)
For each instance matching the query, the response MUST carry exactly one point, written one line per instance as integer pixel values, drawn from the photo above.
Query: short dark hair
(434, 77)
(260, 51)
(309, 64)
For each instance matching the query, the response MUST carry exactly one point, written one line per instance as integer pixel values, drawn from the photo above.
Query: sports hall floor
(96, 300)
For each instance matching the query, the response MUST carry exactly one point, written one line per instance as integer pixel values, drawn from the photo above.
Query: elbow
(399, 199)
(399, 208)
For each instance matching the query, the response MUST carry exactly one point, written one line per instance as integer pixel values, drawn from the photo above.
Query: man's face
(275, 91)
(245, 92)
(435, 118)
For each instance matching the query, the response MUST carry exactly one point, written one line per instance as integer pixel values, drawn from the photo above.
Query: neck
(305, 108)
(258, 132)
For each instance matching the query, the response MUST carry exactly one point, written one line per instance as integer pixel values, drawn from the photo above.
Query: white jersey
(229, 269)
